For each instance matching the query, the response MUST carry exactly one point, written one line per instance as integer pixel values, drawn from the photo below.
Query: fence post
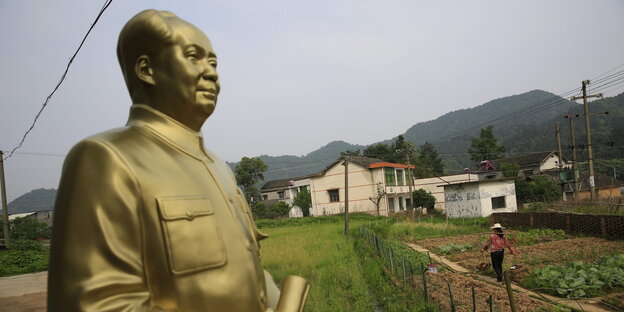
(412, 274)
(512, 303)
(404, 271)
(451, 295)
(392, 259)
(490, 302)
(474, 300)
(603, 227)
(424, 278)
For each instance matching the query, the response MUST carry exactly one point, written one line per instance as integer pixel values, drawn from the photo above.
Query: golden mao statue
(147, 219)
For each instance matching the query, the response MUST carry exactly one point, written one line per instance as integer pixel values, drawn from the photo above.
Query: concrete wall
(475, 199)
(434, 185)
(361, 187)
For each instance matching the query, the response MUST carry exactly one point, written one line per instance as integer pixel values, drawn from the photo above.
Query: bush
(24, 256)
(27, 228)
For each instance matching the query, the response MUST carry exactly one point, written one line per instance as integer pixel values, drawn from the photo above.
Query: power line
(71, 60)
(545, 104)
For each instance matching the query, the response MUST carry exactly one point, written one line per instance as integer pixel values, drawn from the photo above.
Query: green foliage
(428, 164)
(541, 188)
(423, 198)
(452, 248)
(578, 279)
(303, 200)
(23, 257)
(510, 170)
(379, 150)
(536, 236)
(26, 228)
(321, 254)
(355, 152)
(486, 147)
(248, 172)
(262, 211)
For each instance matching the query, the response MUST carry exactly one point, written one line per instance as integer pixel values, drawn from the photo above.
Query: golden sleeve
(96, 259)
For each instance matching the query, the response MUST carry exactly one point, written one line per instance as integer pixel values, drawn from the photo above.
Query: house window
(400, 203)
(390, 176)
(391, 204)
(333, 196)
(280, 194)
(400, 177)
(498, 202)
(265, 197)
(408, 203)
(302, 188)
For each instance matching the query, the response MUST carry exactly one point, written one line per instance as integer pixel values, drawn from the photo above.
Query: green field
(322, 255)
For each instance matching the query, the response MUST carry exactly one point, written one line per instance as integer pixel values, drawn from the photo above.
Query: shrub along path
(584, 304)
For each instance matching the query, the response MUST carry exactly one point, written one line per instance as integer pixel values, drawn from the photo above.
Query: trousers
(497, 263)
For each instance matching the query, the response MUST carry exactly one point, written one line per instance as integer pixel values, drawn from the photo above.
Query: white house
(529, 164)
(479, 198)
(285, 190)
(369, 179)
(432, 185)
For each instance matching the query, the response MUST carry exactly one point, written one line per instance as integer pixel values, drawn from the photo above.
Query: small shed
(479, 198)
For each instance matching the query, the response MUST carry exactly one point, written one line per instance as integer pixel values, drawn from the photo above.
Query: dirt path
(24, 293)
(588, 305)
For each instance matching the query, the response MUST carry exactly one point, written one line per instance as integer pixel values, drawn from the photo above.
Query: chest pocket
(192, 237)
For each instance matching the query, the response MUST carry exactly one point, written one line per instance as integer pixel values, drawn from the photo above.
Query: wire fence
(446, 290)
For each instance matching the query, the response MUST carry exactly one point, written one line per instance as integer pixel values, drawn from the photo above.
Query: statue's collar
(169, 129)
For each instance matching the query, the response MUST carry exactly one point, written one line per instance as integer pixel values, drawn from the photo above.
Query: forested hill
(523, 123)
(35, 200)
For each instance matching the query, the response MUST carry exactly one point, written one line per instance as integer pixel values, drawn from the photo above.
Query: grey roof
(277, 184)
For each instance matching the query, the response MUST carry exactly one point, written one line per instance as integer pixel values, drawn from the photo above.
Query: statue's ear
(143, 70)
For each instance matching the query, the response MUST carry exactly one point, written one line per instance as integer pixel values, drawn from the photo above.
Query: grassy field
(322, 255)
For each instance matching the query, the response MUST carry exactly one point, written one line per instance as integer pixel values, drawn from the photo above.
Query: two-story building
(374, 185)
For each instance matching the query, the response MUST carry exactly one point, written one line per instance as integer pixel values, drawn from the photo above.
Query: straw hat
(497, 226)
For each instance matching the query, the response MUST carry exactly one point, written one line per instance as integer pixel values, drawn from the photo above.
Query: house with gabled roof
(529, 164)
(368, 178)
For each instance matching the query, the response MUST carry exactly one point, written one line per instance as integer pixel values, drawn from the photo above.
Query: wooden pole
(346, 216)
(424, 278)
(509, 291)
(451, 295)
(474, 300)
(5, 209)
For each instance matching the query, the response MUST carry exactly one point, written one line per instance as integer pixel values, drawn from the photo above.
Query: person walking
(497, 243)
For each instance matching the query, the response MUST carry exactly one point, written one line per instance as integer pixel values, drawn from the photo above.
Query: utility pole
(558, 134)
(5, 209)
(346, 216)
(573, 147)
(410, 183)
(590, 156)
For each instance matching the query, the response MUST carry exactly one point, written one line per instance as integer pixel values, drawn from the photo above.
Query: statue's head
(170, 65)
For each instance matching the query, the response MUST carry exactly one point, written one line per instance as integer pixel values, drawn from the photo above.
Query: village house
(369, 179)
(284, 190)
(529, 164)
(479, 198)
(433, 185)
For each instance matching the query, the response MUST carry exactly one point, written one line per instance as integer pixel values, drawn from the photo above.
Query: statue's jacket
(147, 219)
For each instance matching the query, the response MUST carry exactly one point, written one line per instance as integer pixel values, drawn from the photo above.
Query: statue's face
(186, 76)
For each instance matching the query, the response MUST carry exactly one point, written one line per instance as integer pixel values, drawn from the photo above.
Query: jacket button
(190, 214)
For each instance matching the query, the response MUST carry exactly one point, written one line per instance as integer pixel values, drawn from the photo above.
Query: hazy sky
(296, 75)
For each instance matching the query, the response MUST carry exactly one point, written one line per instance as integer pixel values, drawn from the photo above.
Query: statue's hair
(144, 34)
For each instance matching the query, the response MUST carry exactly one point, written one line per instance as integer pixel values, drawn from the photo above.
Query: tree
(279, 210)
(249, 171)
(541, 188)
(423, 198)
(510, 170)
(350, 153)
(378, 150)
(486, 147)
(303, 200)
(428, 164)
(27, 228)
(379, 194)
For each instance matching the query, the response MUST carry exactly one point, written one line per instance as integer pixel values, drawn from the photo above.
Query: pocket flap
(184, 207)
